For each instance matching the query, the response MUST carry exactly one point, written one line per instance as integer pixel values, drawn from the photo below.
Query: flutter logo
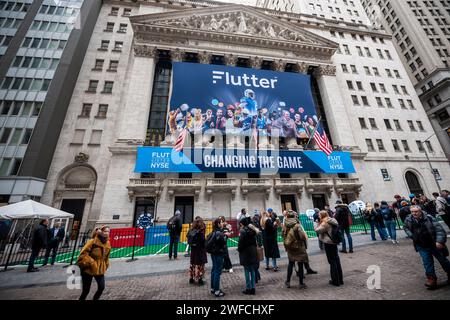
(244, 80)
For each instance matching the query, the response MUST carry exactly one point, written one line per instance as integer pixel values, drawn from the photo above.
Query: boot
(200, 282)
(252, 291)
(287, 284)
(431, 283)
(191, 281)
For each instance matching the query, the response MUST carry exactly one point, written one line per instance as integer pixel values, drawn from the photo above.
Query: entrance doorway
(186, 206)
(76, 207)
(144, 206)
(319, 201)
(413, 183)
(348, 197)
(288, 202)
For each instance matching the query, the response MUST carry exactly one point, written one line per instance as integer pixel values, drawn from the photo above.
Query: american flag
(179, 144)
(321, 139)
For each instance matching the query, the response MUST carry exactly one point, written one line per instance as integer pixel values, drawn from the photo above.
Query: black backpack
(335, 235)
(386, 212)
(193, 237)
(211, 246)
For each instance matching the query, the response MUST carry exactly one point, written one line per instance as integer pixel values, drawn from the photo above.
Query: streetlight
(429, 162)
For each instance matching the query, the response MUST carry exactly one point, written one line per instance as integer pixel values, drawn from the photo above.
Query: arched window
(413, 183)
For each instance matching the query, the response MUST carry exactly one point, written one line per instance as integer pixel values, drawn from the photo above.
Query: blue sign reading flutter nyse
(160, 160)
(234, 100)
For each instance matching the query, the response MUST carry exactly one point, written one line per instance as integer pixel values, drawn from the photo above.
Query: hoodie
(324, 230)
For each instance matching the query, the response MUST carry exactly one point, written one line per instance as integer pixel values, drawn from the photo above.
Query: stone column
(136, 109)
(441, 134)
(335, 110)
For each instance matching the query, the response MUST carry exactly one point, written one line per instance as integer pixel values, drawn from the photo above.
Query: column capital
(302, 67)
(145, 51)
(230, 60)
(325, 70)
(255, 62)
(204, 57)
(177, 55)
(278, 65)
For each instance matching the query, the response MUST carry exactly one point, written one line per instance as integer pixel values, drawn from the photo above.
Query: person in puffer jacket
(429, 239)
(94, 261)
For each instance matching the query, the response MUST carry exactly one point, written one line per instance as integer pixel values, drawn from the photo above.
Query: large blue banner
(158, 159)
(237, 100)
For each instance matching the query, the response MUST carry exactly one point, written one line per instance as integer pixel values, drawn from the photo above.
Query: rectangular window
(387, 124)
(355, 100)
(380, 145)
(113, 64)
(126, 12)
(96, 137)
(396, 145)
(37, 108)
(27, 136)
(406, 146)
(122, 28)
(373, 124)
(98, 64)
(16, 136)
(419, 124)
(78, 137)
(109, 27)
(92, 86)
(420, 146)
(5, 135)
(102, 111)
(411, 125)
(108, 87)
(104, 45)
(397, 125)
(114, 11)
(370, 146)
(362, 122)
(17, 107)
(118, 45)
(86, 110)
(4, 167)
(429, 146)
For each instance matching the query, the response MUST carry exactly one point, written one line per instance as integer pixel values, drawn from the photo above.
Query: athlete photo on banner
(236, 100)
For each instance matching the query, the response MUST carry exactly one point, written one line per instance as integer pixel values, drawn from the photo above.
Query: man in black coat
(40, 238)
(342, 216)
(55, 237)
(174, 225)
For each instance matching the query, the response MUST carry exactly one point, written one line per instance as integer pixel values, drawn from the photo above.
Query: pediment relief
(233, 20)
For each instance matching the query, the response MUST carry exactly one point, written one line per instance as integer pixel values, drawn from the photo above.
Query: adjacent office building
(42, 46)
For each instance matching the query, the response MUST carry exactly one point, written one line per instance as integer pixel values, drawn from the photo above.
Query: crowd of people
(258, 241)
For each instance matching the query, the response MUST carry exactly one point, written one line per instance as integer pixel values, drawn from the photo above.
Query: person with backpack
(443, 207)
(196, 240)
(295, 243)
(429, 239)
(227, 265)
(370, 214)
(259, 244)
(390, 220)
(269, 225)
(248, 256)
(329, 233)
(216, 246)
(174, 225)
(316, 219)
(343, 216)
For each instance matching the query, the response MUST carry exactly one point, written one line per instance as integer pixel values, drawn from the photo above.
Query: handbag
(260, 252)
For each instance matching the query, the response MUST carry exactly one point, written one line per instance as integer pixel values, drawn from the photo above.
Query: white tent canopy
(30, 209)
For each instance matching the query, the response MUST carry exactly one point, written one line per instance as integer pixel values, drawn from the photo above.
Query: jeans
(349, 237)
(372, 230)
(320, 242)
(257, 274)
(428, 261)
(173, 246)
(250, 277)
(34, 255)
(274, 262)
(300, 273)
(391, 226)
(87, 281)
(380, 230)
(54, 248)
(216, 271)
(331, 251)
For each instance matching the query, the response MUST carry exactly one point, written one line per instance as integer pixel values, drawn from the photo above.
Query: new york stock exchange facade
(134, 170)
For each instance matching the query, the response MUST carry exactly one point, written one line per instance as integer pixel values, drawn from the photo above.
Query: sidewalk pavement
(17, 277)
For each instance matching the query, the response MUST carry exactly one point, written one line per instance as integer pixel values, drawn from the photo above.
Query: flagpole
(314, 132)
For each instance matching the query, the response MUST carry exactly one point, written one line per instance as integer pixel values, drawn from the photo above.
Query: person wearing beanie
(390, 220)
(343, 216)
